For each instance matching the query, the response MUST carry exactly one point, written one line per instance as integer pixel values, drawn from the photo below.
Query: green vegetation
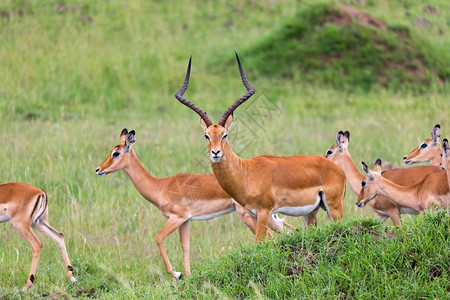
(74, 73)
(358, 258)
(316, 46)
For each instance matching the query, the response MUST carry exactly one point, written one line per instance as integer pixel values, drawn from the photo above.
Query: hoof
(72, 279)
(177, 275)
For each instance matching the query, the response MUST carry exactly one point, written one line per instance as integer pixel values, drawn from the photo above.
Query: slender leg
(172, 224)
(58, 238)
(394, 214)
(185, 232)
(262, 221)
(312, 217)
(36, 246)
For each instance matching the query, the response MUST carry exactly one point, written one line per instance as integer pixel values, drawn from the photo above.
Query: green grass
(356, 258)
(68, 86)
(311, 47)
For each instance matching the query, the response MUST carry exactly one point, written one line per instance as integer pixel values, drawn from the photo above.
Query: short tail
(323, 204)
(40, 208)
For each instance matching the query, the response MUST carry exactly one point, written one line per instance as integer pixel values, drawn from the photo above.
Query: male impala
(382, 206)
(25, 206)
(433, 190)
(180, 198)
(428, 150)
(295, 185)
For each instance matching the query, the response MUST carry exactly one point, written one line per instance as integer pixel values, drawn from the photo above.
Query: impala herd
(257, 188)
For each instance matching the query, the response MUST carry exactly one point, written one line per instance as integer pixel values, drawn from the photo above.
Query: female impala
(26, 206)
(295, 185)
(180, 198)
(433, 190)
(428, 150)
(382, 206)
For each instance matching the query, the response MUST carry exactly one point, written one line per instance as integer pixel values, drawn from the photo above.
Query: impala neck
(146, 184)
(230, 171)
(405, 196)
(352, 175)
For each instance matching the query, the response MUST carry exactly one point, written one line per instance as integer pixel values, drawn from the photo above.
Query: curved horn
(248, 86)
(179, 96)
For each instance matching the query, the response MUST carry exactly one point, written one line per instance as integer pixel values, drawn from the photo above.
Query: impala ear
(365, 167)
(229, 121)
(340, 141)
(123, 135)
(445, 147)
(436, 133)
(129, 140)
(377, 166)
(347, 136)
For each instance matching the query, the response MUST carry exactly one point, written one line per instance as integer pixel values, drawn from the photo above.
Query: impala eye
(363, 183)
(206, 137)
(116, 154)
(224, 137)
(329, 152)
(423, 146)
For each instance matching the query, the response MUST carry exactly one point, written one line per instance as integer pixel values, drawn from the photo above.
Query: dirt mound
(349, 14)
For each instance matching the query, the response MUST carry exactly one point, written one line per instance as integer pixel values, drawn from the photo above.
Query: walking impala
(294, 185)
(428, 150)
(180, 198)
(26, 206)
(382, 206)
(431, 191)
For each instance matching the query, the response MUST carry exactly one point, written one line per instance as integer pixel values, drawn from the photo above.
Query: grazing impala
(433, 190)
(26, 207)
(382, 206)
(180, 198)
(428, 150)
(294, 185)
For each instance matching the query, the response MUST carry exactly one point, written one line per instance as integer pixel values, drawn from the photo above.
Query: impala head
(119, 157)
(427, 149)
(445, 164)
(369, 185)
(333, 153)
(216, 134)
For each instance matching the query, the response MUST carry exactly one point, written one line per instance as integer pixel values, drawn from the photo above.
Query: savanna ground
(73, 74)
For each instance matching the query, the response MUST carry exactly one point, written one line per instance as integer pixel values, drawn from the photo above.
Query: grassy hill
(74, 73)
(346, 48)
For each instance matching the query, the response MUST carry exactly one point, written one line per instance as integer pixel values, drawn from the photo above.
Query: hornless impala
(180, 198)
(382, 206)
(431, 191)
(428, 150)
(294, 185)
(25, 206)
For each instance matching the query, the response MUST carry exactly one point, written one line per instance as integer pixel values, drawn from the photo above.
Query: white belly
(298, 210)
(214, 215)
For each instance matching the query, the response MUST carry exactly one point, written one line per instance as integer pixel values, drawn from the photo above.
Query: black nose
(404, 157)
(96, 170)
(215, 153)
